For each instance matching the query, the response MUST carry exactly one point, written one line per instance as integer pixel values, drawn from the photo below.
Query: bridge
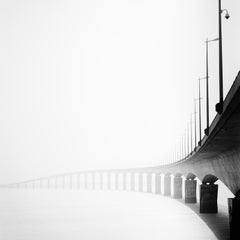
(215, 158)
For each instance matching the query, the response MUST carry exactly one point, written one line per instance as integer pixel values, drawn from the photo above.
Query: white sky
(104, 84)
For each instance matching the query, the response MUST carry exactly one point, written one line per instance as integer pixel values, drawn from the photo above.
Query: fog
(104, 84)
(68, 214)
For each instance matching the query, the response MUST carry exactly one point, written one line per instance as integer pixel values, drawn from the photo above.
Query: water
(27, 214)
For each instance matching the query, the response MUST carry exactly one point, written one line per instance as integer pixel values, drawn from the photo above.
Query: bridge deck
(70, 214)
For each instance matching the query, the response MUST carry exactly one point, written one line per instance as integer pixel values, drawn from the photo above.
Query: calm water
(70, 214)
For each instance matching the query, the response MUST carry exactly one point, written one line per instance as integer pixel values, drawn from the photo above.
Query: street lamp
(183, 146)
(185, 142)
(219, 106)
(191, 134)
(195, 123)
(199, 106)
(207, 85)
(188, 139)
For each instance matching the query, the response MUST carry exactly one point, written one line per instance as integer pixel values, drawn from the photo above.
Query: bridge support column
(124, 181)
(70, 181)
(85, 180)
(40, 183)
(177, 187)
(208, 198)
(158, 183)
(48, 183)
(167, 185)
(78, 181)
(234, 217)
(63, 181)
(140, 182)
(56, 183)
(190, 191)
(109, 181)
(101, 180)
(132, 180)
(116, 182)
(93, 180)
(149, 182)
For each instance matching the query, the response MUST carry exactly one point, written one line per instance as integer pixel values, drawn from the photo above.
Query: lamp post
(199, 106)
(188, 139)
(195, 122)
(183, 147)
(185, 142)
(191, 134)
(219, 106)
(207, 86)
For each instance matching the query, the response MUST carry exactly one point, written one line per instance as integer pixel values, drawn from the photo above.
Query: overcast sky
(104, 84)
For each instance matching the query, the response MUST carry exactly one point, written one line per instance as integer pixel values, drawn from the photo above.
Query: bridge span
(217, 156)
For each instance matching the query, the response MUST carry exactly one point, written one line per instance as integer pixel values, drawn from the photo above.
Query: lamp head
(227, 16)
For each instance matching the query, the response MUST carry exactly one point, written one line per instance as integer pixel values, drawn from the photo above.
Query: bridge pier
(85, 180)
(177, 187)
(56, 182)
(48, 183)
(78, 181)
(40, 184)
(70, 181)
(93, 180)
(124, 181)
(108, 181)
(234, 217)
(132, 182)
(208, 198)
(149, 182)
(190, 191)
(158, 184)
(167, 185)
(140, 182)
(63, 181)
(116, 181)
(101, 180)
